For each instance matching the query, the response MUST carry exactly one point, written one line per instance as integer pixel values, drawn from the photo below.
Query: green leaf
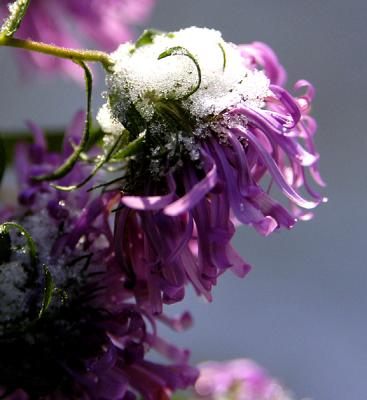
(181, 51)
(47, 291)
(17, 11)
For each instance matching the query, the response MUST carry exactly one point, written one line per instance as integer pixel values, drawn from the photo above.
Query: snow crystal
(13, 279)
(17, 292)
(140, 78)
(110, 125)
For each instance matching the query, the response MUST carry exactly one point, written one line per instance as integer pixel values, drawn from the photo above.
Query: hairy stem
(61, 52)
(68, 165)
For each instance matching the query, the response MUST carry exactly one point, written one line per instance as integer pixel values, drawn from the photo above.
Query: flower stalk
(60, 52)
(17, 13)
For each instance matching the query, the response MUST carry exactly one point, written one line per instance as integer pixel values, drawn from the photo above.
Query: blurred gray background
(301, 312)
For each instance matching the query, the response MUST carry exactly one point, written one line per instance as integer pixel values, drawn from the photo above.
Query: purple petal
(196, 193)
(147, 202)
(275, 172)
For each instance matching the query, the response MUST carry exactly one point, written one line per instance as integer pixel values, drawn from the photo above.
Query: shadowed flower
(68, 329)
(214, 133)
(237, 380)
(66, 22)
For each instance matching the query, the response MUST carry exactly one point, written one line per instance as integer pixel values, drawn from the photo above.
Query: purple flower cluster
(175, 228)
(92, 340)
(199, 134)
(240, 379)
(67, 23)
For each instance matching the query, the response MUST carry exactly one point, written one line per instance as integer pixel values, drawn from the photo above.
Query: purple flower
(240, 379)
(216, 133)
(68, 328)
(105, 22)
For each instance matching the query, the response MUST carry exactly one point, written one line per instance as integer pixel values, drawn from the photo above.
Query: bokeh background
(302, 310)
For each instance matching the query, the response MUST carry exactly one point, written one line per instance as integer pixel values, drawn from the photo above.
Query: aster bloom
(240, 379)
(105, 22)
(204, 132)
(68, 330)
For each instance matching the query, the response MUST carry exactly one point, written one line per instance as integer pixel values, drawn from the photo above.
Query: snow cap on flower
(240, 379)
(145, 74)
(205, 133)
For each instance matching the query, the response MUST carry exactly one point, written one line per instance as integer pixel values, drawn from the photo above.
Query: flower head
(213, 133)
(240, 379)
(105, 22)
(68, 328)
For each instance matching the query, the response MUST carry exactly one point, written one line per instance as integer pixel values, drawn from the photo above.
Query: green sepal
(4, 229)
(17, 11)
(133, 121)
(47, 291)
(181, 51)
(133, 148)
(224, 56)
(146, 38)
(114, 154)
(172, 112)
(97, 167)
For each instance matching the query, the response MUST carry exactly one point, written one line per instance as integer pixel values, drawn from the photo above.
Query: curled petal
(275, 172)
(276, 133)
(197, 192)
(288, 102)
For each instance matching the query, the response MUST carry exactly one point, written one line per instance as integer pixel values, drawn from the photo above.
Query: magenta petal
(147, 202)
(239, 266)
(288, 102)
(198, 191)
(310, 90)
(275, 172)
(177, 323)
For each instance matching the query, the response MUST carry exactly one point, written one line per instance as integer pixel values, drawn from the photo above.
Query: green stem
(61, 52)
(68, 165)
(17, 10)
(131, 149)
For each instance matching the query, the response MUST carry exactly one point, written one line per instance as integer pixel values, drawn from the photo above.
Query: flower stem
(68, 165)
(61, 52)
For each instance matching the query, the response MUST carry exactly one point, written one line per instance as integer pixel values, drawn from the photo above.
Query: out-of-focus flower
(66, 22)
(216, 132)
(240, 379)
(68, 328)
